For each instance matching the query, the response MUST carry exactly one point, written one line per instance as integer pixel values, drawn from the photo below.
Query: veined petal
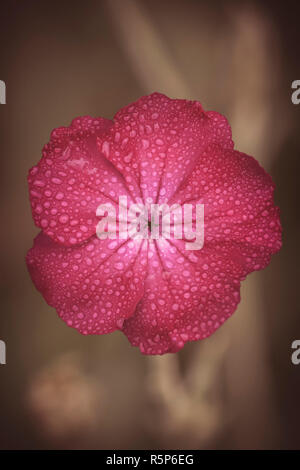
(71, 180)
(94, 286)
(156, 141)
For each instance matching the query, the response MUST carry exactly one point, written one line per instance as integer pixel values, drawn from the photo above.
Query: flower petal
(71, 180)
(187, 297)
(239, 209)
(156, 141)
(94, 286)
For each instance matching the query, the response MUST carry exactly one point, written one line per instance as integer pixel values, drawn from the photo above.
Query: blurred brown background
(238, 389)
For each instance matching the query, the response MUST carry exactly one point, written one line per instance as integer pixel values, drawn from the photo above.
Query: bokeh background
(238, 389)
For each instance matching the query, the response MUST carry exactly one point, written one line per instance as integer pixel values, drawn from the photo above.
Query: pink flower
(158, 293)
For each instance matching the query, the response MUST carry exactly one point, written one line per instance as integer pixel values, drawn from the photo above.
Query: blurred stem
(145, 50)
